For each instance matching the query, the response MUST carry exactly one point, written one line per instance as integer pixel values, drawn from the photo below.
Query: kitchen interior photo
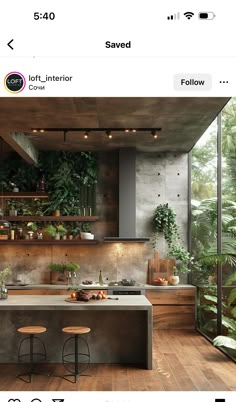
(117, 244)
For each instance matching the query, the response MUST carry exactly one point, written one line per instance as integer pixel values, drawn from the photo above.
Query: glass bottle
(100, 279)
(42, 184)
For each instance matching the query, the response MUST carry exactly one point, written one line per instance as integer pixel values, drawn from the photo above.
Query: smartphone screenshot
(117, 201)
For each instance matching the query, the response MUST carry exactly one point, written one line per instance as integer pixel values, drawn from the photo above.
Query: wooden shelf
(50, 242)
(12, 194)
(38, 218)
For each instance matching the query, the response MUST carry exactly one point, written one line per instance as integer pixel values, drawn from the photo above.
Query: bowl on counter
(161, 282)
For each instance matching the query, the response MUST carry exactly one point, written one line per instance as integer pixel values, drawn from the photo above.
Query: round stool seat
(76, 330)
(33, 330)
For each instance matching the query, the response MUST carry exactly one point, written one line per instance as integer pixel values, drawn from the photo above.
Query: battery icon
(206, 15)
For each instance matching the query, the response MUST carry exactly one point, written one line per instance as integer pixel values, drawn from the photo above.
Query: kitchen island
(121, 330)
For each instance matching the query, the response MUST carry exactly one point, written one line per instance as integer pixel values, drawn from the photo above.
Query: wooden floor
(183, 361)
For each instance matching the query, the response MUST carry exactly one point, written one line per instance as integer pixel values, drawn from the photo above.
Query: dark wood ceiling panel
(183, 121)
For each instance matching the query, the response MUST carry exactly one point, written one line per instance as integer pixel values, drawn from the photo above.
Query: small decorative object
(15, 189)
(31, 235)
(57, 212)
(4, 230)
(33, 229)
(12, 234)
(20, 233)
(12, 212)
(100, 279)
(40, 235)
(70, 237)
(4, 274)
(173, 280)
(42, 185)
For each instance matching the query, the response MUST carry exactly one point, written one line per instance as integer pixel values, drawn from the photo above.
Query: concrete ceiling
(183, 121)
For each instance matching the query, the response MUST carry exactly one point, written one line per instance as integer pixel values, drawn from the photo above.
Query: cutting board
(157, 267)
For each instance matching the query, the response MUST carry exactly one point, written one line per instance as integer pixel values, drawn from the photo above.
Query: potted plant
(62, 231)
(4, 274)
(57, 274)
(85, 233)
(165, 222)
(52, 231)
(56, 232)
(74, 232)
(183, 259)
(12, 206)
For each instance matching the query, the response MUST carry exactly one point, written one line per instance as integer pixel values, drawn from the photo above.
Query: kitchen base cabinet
(173, 317)
(121, 330)
(173, 308)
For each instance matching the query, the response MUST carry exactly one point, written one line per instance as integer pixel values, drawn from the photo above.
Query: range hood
(127, 199)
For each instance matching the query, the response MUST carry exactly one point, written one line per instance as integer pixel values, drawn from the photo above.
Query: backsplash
(117, 261)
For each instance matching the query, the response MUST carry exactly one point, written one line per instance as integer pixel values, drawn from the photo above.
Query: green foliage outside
(204, 224)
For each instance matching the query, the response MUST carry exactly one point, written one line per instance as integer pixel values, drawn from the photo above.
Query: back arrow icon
(9, 44)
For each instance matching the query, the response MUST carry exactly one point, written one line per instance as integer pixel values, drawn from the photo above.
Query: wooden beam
(22, 145)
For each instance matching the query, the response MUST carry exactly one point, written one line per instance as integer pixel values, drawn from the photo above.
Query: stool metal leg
(31, 355)
(76, 373)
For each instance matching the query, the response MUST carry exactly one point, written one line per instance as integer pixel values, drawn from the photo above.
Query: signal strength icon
(189, 15)
(174, 17)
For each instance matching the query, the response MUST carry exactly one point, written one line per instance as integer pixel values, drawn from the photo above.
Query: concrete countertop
(43, 302)
(98, 287)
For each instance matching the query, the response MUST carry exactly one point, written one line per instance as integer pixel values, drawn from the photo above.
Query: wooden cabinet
(173, 308)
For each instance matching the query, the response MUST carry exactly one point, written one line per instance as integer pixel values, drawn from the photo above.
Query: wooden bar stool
(33, 356)
(80, 359)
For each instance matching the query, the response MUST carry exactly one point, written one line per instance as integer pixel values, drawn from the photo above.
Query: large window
(204, 228)
(214, 234)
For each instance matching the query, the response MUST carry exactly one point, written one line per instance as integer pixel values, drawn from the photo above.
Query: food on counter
(87, 282)
(82, 295)
(73, 295)
(161, 281)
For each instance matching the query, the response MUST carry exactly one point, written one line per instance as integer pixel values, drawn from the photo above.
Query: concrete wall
(160, 178)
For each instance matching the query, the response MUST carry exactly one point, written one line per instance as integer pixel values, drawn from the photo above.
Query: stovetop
(123, 282)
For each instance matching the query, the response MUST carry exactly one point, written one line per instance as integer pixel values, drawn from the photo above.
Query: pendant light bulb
(109, 134)
(154, 134)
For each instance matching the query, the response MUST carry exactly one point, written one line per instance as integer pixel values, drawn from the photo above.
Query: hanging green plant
(165, 222)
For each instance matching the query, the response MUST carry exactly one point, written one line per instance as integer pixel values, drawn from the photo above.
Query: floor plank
(182, 361)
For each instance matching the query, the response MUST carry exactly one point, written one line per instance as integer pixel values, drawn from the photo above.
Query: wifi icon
(189, 15)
